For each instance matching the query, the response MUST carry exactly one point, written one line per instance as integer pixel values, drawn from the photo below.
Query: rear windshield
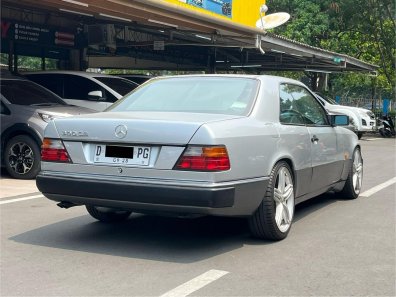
(24, 92)
(120, 85)
(222, 95)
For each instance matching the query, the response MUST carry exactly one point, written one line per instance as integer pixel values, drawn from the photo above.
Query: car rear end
(149, 161)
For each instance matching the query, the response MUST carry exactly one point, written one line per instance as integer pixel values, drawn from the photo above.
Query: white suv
(92, 90)
(362, 119)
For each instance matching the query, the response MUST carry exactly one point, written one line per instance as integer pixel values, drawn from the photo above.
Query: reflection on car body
(227, 145)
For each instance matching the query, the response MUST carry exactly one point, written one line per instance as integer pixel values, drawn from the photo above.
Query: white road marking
(371, 139)
(21, 199)
(378, 188)
(195, 284)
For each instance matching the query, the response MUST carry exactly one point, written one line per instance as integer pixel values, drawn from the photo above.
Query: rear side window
(53, 82)
(120, 85)
(298, 106)
(77, 87)
(221, 95)
(24, 92)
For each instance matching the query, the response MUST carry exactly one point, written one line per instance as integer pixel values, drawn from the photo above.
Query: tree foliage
(364, 29)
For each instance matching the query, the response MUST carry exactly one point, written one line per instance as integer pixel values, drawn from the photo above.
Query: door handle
(314, 139)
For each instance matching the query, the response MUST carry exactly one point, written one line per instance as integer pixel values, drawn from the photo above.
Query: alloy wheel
(357, 172)
(21, 157)
(284, 199)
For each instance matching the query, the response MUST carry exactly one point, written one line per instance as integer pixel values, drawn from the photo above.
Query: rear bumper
(228, 199)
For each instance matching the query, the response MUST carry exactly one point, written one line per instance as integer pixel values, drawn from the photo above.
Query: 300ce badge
(75, 133)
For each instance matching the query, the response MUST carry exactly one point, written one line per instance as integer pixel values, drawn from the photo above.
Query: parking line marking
(371, 139)
(20, 199)
(195, 284)
(378, 188)
(20, 196)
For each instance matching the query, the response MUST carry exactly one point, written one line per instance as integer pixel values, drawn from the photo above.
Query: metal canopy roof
(191, 41)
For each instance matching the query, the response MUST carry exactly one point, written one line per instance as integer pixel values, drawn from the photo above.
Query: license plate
(122, 155)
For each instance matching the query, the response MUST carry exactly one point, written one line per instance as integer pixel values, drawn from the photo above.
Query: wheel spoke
(29, 153)
(286, 214)
(12, 153)
(20, 147)
(288, 192)
(277, 196)
(359, 168)
(358, 184)
(281, 180)
(354, 180)
(279, 214)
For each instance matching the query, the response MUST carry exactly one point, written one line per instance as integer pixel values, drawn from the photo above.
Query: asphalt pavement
(335, 248)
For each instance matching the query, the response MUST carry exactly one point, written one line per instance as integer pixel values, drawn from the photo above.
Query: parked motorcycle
(386, 127)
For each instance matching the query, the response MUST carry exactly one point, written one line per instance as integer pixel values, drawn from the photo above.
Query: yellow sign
(239, 11)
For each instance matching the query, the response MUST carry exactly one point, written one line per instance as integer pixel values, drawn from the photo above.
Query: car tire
(107, 215)
(22, 157)
(273, 218)
(353, 183)
(359, 135)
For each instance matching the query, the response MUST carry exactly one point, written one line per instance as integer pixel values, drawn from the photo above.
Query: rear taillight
(204, 158)
(53, 150)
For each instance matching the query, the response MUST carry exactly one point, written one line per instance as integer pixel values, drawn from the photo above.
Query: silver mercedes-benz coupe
(226, 145)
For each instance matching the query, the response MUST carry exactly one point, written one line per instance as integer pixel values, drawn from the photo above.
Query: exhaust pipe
(66, 205)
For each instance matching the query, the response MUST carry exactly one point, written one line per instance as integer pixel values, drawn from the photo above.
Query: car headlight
(46, 117)
(363, 113)
(371, 115)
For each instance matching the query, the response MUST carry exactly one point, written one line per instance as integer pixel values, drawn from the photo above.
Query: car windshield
(120, 85)
(24, 92)
(327, 99)
(222, 95)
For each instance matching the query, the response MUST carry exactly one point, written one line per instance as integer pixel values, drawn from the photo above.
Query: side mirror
(95, 96)
(339, 120)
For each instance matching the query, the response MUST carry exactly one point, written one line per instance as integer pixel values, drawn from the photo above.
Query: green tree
(364, 29)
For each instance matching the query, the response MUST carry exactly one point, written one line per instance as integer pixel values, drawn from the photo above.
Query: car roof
(264, 78)
(79, 73)
(134, 75)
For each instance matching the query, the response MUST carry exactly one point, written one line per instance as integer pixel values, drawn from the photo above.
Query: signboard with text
(37, 34)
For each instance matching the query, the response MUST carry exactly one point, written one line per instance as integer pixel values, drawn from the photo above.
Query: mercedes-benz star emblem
(121, 131)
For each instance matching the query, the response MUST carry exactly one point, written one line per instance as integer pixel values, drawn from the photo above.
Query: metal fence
(376, 105)
(366, 103)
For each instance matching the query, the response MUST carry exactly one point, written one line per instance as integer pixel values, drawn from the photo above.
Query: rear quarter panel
(249, 144)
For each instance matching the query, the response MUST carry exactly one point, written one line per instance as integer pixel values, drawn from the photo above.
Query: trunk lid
(137, 127)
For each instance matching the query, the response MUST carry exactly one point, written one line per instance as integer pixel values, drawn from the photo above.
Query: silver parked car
(251, 146)
(26, 109)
